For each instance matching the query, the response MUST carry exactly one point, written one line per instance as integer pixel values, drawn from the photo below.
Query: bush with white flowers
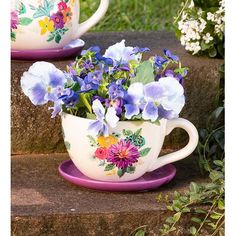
(200, 27)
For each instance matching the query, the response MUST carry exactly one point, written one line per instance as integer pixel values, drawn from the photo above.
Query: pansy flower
(104, 119)
(171, 56)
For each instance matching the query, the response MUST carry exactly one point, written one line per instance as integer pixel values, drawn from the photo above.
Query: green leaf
(200, 211)
(67, 144)
(212, 52)
(194, 187)
(145, 73)
(25, 21)
(219, 163)
(192, 230)
(170, 220)
(196, 220)
(130, 169)
(177, 216)
(22, 8)
(57, 38)
(50, 37)
(144, 152)
(121, 172)
(140, 233)
(215, 216)
(221, 205)
(137, 133)
(90, 116)
(84, 100)
(127, 132)
(92, 140)
(102, 163)
(109, 167)
(13, 36)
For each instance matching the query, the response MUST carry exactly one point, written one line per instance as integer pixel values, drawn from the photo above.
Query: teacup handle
(182, 153)
(86, 25)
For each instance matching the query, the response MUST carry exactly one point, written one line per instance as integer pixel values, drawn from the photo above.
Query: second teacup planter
(47, 24)
(130, 150)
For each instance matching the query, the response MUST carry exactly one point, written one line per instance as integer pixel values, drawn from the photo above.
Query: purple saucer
(55, 53)
(148, 181)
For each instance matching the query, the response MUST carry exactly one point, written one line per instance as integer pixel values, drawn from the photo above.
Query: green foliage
(145, 73)
(25, 21)
(144, 152)
(133, 15)
(212, 194)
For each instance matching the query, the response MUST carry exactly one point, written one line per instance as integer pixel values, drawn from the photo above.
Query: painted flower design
(46, 25)
(57, 18)
(106, 142)
(101, 153)
(14, 19)
(62, 6)
(67, 14)
(123, 154)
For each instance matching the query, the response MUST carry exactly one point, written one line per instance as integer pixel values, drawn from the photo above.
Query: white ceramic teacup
(47, 24)
(131, 150)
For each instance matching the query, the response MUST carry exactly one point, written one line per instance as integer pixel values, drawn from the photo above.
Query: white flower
(210, 16)
(207, 38)
(119, 53)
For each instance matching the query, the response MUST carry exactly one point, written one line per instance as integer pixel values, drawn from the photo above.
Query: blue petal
(95, 127)
(153, 90)
(131, 110)
(150, 112)
(56, 109)
(37, 95)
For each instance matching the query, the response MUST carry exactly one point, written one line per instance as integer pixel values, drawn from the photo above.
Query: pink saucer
(71, 50)
(148, 181)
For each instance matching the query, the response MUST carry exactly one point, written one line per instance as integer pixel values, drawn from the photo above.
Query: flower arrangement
(116, 86)
(111, 87)
(201, 25)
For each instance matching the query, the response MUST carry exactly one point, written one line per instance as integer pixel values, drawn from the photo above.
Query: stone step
(44, 204)
(33, 131)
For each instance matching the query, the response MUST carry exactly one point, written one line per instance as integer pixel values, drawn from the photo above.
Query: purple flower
(137, 50)
(134, 100)
(159, 61)
(57, 18)
(123, 154)
(170, 55)
(99, 57)
(14, 19)
(117, 104)
(178, 77)
(70, 99)
(91, 81)
(116, 90)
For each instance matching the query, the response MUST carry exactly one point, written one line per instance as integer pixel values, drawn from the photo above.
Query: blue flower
(178, 77)
(134, 100)
(70, 98)
(99, 57)
(42, 82)
(103, 119)
(165, 99)
(116, 90)
(137, 50)
(171, 56)
(159, 61)
(91, 81)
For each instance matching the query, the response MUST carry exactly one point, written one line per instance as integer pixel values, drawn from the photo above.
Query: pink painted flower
(101, 153)
(62, 6)
(123, 154)
(14, 19)
(57, 18)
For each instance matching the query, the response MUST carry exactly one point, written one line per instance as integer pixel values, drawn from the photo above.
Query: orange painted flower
(67, 14)
(107, 141)
(46, 25)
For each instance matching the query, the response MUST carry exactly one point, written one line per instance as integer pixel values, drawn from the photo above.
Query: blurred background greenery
(133, 15)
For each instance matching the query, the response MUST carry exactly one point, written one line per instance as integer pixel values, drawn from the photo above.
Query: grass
(133, 15)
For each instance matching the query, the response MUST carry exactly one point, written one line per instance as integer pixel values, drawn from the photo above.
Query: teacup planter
(116, 111)
(48, 24)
